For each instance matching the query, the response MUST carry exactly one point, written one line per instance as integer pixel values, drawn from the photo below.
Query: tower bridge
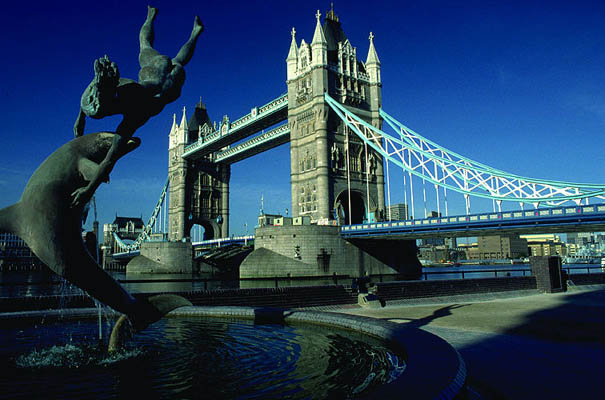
(341, 151)
(324, 184)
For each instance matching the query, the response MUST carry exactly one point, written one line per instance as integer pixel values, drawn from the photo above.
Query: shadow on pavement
(554, 353)
(439, 313)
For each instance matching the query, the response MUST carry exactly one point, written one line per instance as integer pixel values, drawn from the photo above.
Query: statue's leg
(146, 35)
(186, 52)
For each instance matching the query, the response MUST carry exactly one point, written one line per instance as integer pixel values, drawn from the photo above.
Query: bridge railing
(223, 241)
(472, 273)
(476, 219)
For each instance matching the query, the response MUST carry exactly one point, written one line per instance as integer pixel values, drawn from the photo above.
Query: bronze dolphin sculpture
(52, 228)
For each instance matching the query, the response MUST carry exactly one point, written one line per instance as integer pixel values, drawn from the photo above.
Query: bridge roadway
(257, 119)
(241, 240)
(126, 255)
(245, 240)
(586, 218)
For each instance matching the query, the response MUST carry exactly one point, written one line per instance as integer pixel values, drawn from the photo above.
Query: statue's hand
(80, 197)
(99, 97)
(106, 72)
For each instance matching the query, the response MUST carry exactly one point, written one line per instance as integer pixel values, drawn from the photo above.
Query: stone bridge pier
(318, 250)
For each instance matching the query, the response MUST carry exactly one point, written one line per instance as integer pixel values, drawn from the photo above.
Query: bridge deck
(552, 220)
(547, 220)
(224, 241)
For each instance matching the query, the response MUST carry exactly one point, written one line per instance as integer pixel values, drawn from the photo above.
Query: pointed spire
(293, 53)
(262, 204)
(319, 44)
(330, 14)
(318, 36)
(292, 59)
(372, 56)
(173, 130)
(184, 119)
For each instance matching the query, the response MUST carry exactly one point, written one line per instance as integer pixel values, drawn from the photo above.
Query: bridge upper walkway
(263, 142)
(257, 119)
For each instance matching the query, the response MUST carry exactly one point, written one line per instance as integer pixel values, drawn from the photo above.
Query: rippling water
(193, 358)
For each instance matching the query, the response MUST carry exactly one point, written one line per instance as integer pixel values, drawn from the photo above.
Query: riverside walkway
(533, 346)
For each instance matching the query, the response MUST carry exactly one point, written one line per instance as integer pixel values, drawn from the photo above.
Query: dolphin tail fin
(8, 218)
(165, 303)
(154, 308)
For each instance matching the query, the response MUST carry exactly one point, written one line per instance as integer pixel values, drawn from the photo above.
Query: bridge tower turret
(292, 59)
(177, 173)
(329, 176)
(199, 189)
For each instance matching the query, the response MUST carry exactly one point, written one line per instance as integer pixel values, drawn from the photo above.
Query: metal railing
(464, 273)
(286, 281)
(587, 268)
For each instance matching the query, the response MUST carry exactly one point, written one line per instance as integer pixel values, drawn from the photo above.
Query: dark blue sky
(516, 85)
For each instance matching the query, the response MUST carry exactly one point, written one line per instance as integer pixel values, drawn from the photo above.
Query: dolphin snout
(133, 143)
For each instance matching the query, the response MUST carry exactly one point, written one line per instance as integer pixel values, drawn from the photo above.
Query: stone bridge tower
(327, 162)
(199, 190)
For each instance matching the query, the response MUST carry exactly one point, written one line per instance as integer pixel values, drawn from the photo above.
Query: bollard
(548, 273)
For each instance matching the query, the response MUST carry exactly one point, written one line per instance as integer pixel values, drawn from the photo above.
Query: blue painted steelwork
(241, 240)
(126, 255)
(145, 234)
(557, 219)
(249, 148)
(245, 240)
(231, 132)
(446, 169)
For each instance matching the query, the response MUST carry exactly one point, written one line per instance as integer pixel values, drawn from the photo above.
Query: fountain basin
(432, 367)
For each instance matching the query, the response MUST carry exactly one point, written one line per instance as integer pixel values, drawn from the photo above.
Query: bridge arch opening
(201, 230)
(357, 211)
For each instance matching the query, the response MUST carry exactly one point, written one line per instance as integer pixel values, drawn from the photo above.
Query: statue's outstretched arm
(84, 194)
(79, 125)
